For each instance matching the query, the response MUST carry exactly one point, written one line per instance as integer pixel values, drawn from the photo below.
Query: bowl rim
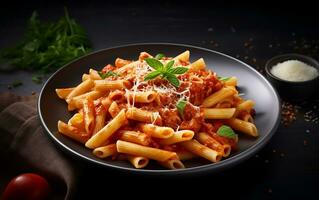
(268, 67)
(212, 167)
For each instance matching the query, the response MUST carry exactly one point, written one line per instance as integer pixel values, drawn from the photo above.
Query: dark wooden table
(287, 168)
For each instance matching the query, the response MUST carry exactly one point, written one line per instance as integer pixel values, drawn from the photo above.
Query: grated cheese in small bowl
(294, 70)
(295, 76)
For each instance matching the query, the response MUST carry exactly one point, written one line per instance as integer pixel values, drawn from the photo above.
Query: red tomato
(27, 186)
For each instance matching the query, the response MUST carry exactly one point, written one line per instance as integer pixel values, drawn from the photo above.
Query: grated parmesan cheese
(138, 70)
(294, 70)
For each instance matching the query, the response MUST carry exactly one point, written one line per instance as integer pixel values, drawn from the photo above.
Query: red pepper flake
(288, 113)
(254, 60)
(269, 190)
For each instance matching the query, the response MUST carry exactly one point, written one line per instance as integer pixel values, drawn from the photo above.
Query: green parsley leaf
(223, 78)
(107, 74)
(155, 64)
(181, 106)
(178, 70)
(172, 79)
(159, 56)
(226, 131)
(46, 47)
(152, 75)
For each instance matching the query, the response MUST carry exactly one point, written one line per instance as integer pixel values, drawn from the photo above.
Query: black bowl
(294, 91)
(252, 85)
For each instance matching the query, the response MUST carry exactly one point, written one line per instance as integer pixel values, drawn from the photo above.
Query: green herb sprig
(226, 131)
(223, 78)
(166, 71)
(107, 74)
(159, 56)
(180, 105)
(48, 46)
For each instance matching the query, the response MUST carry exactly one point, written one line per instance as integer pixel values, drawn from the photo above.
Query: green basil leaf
(159, 56)
(111, 73)
(181, 106)
(226, 131)
(155, 64)
(172, 79)
(152, 75)
(223, 78)
(102, 75)
(107, 74)
(178, 70)
(169, 65)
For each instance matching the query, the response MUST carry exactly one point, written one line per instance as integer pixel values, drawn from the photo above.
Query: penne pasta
(225, 103)
(197, 65)
(82, 88)
(157, 131)
(127, 68)
(218, 113)
(85, 77)
(217, 96)
(106, 85)
(135, 137)
(105, 133)
(114, 109)
(77, 121)
(77, 102)
(243, 126)
(99, 119)
(143, 115)
(185, 155)
(105, 151)
(63, 92)
(183, 57)
(173, 163)
(244, 106)
(148, 152)
(88, 115)
(72, 132)
(178, 136)
(207, 140)
(94, 75)
(248, 118)
(144, 55)
(232, 81)
(201, 150)
(106, 102)
(142, 97)
(138, 161)
(119, 62)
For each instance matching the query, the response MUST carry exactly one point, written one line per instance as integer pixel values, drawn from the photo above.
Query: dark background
(287, 168)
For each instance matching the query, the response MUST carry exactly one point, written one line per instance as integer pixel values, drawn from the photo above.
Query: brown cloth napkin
(25, 147)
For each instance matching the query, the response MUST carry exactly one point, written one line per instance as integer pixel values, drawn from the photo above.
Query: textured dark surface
(287, 168)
